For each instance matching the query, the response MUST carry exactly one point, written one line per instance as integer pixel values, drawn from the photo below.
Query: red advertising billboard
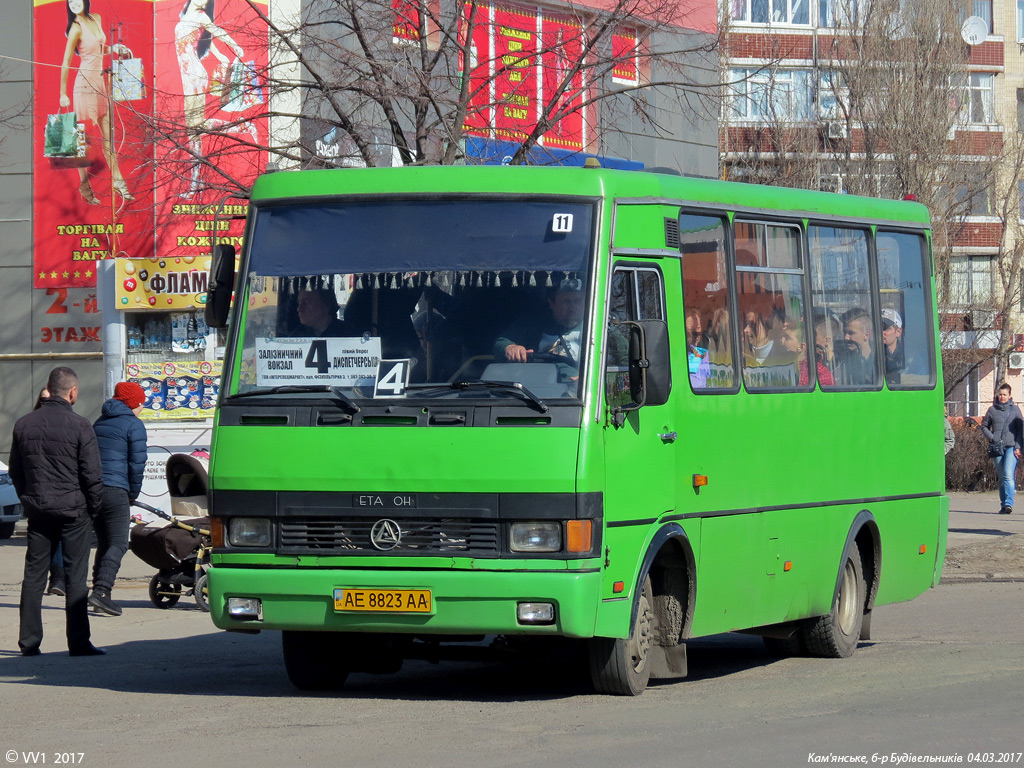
(211, 109)
(475, 23)
(92, 196)
(515, 75)
(126, 86)
(562, 38)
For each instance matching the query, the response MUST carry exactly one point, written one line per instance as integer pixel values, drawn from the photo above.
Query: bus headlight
(536, 537)
(249, 531)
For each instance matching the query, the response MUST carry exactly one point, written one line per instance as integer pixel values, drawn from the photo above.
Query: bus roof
(586, 182)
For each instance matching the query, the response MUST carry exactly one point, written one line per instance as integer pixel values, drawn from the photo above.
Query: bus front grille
(412, 537)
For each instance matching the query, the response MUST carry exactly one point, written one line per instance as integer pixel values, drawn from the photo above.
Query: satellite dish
(974, 30)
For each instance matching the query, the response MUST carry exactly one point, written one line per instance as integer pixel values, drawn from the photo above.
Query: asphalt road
(942, 676)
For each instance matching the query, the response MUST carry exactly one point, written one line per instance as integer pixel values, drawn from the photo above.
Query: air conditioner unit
(1017, 359)
(835, 129)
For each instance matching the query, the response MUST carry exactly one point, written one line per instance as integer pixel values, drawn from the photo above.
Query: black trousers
(111, 537)
(45, 532)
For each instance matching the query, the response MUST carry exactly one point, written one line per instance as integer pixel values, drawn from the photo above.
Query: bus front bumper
(461, 602)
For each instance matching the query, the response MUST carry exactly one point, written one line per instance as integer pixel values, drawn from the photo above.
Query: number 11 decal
(561, 222)
(392, 378)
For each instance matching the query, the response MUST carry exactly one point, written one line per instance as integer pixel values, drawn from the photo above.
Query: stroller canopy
(187, 482)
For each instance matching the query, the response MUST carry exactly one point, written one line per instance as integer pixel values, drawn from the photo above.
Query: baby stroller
(181, 549)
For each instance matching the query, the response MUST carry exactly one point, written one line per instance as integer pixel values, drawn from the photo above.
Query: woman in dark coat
(122, 440)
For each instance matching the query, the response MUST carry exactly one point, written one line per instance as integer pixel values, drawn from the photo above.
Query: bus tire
(312, 660)
(623, 667)
(835, 635)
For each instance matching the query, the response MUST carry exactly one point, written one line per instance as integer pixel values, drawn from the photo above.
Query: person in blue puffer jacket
(122, 440)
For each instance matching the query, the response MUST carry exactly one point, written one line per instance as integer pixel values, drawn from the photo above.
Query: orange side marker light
(787, 566)
(619, 586)
(700, 480)
(923, 549)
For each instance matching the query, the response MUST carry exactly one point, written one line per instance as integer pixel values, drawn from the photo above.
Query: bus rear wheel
(835, 636)
(313, 660)
(622, 667)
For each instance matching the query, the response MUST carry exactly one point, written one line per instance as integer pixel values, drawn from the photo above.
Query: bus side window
(773, 322)
(906, 330)
(847, 341)
(706, 301)
(637, 294)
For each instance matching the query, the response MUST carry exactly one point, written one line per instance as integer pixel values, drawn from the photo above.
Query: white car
(10, 506)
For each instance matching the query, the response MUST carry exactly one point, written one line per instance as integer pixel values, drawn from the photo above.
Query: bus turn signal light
(577, 535)
(216, 532)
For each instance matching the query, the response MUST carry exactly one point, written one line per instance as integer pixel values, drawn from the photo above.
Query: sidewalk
(982, 544)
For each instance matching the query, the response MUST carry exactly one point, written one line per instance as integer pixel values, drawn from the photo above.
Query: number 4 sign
(392, 378)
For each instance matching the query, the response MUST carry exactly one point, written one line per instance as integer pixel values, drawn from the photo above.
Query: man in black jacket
(56, 469)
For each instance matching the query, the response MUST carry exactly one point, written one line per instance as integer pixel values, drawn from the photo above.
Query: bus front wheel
(622, 667)
(835, 636)
(312, 660)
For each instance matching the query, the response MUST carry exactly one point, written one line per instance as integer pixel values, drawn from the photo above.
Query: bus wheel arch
(661, 616)
(836, 634)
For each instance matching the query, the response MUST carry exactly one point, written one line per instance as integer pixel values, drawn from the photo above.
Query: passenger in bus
(318, 313)
(556, 332)
(697, 359)
(793, 340)
(858, 354)
(892, 346)
(827, 329)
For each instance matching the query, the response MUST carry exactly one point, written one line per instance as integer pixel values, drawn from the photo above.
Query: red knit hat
(130, 393)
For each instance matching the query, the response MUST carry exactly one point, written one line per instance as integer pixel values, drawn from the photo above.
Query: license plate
(383, 600)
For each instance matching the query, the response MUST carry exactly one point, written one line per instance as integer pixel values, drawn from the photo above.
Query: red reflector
(699, 480)
(788, 565)
(618, 586)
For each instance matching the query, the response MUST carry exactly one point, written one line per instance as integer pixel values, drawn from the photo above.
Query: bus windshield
(381, 299)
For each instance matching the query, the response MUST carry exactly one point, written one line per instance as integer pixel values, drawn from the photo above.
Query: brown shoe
(87, 194)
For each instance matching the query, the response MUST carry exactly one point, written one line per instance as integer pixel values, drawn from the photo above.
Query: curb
(990, 578)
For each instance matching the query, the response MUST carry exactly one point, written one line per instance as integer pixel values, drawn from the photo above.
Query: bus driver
(557, 333)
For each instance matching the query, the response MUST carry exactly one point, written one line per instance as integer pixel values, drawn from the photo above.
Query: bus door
(640, 444)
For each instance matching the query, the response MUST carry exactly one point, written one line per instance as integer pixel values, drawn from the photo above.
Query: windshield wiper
(299, 389)
(507, 386)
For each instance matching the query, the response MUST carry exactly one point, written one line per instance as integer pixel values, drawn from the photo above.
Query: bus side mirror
(650, 374)
(220, 286)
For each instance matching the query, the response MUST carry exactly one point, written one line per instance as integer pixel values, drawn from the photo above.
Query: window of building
(980, 8)
(833, 95)
(1020, 21)
(771, 11)
(771, 94)
(970, 281)
(975, 199)
(1020, 108)
(706, 302)
(977, 94)
(839, 13)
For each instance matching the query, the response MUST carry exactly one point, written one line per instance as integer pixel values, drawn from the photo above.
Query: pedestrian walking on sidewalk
(121, 436)
(1003, 425)
(55, 466)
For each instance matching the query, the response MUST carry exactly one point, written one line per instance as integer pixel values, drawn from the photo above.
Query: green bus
(623, 408)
